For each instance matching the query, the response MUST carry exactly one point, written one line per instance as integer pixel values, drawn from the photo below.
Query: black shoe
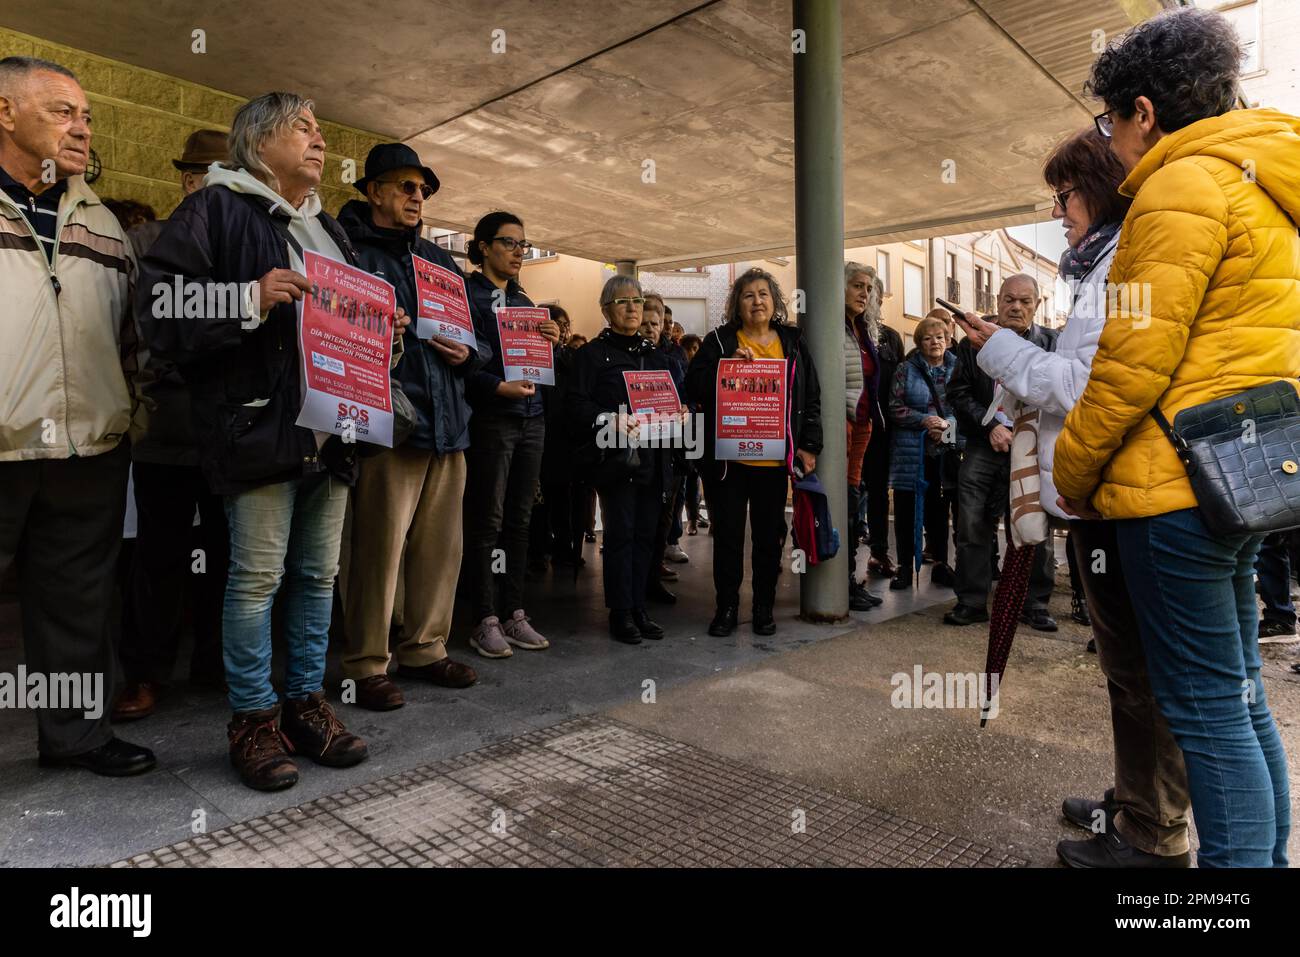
(1079, 611)
(1038, 619)
(965, 615)
(1271, 628)
(113, 759)
(943, 575)
(862, 600)
(660, 595)
(764, 623)
(622, 627)
(724, 621)
(1108, 849)
(902, 580)
(648, 628)
(1081, 812)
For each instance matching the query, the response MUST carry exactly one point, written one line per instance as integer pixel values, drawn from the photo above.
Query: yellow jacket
(1205, 303)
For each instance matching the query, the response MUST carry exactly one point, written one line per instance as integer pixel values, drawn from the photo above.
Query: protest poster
(525, 352)
(443, 309)
(345, 338)
(652, 398)
(751, 416)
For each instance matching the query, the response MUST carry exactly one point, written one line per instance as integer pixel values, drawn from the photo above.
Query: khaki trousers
(1150, 779)
(407, 501)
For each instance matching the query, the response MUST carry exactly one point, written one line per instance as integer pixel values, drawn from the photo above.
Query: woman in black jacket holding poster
(631, 483)
(755, 327)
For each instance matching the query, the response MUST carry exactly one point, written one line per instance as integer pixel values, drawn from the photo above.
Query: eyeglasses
(409, 186)
(633, 301)
(512, 244)
(1063, 196)
(1105, 125)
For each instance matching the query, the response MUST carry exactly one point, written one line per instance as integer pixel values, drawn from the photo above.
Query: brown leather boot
(136, 701)
(313, 729)
(379, 693)
(258, 751)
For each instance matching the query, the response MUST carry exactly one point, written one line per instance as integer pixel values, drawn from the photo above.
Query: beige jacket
(67, 341)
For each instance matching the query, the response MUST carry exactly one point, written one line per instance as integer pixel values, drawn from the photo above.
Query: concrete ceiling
(559, 127)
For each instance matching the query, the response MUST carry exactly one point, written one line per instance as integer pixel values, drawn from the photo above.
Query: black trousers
(935, 518)
(165, 570)
(61, 522)
(502, 464)
(761, 491)
(983, 488)
(630, 517)
(875, 474)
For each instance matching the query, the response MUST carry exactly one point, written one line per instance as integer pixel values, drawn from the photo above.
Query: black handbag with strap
(1242, 456)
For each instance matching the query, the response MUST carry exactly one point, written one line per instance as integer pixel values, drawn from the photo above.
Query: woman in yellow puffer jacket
(1207, 304)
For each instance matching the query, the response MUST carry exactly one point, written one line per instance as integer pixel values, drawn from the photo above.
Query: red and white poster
(751, 410)
(345, 336)
(525, 352)
(443, 307)
(652, 398)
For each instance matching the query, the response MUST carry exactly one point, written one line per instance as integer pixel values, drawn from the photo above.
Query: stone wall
(141, 120)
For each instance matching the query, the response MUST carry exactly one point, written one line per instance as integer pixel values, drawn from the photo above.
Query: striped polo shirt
(42, 210)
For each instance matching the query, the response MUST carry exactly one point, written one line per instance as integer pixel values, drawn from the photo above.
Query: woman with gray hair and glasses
(632, 481)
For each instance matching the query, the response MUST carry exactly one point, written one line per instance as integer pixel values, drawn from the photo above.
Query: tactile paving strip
(588, 792)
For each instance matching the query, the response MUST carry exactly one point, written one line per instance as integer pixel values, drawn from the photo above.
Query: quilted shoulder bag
(1242, 456)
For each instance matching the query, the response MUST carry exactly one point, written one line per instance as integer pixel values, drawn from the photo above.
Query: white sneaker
(674, 553)
(488, 639)
(519, 632)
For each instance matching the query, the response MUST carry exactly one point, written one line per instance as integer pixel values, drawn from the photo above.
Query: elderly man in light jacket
(65, 407)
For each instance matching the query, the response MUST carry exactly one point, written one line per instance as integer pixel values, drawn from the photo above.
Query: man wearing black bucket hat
(408, 500)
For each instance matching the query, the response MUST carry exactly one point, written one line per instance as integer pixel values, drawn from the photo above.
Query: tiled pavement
(586, 792)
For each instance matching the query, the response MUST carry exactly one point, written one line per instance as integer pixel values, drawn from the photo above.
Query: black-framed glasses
(1063, 196)
(630, 301)
(409, 187)
(512, 244)
(1105, 126)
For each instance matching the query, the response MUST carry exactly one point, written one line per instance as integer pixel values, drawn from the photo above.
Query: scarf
(1076, 261)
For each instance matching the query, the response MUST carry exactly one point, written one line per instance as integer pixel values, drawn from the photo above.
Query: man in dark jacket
(408, 500)
(983, 484)
(243, 237)
(168, 488)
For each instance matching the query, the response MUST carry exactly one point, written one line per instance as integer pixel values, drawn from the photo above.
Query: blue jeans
(1194, 597)
(289, 531)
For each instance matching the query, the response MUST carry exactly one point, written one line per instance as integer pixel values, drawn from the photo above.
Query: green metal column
(819, 246)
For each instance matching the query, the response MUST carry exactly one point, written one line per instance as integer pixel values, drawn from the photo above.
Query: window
(882, 270)
(913, 290)
(952, 266)
(1244, 18)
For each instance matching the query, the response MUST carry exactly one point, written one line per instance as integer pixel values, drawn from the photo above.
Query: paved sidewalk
(588, 792)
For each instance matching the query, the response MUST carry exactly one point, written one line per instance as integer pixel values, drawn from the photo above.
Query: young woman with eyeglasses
(507, 434)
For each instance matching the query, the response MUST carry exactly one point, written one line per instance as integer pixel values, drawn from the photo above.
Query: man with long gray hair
(285, 486)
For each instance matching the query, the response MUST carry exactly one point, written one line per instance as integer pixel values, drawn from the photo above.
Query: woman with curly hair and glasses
(1208, 306)
(754, 327)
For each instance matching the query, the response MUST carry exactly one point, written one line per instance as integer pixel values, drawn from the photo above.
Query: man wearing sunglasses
(407, 501)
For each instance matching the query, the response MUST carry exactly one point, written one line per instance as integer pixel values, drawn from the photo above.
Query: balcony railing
(984, 301)
(954, 291)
